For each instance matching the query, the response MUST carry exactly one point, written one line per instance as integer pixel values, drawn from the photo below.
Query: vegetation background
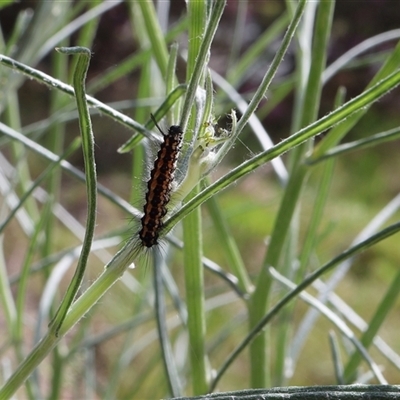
(115, 352)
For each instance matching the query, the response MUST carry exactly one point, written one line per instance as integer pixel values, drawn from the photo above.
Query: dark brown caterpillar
(159, 185)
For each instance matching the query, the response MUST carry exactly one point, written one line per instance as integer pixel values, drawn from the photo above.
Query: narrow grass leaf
(91, 182)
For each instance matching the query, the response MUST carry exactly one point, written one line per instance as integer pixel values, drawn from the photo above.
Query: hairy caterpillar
(164, 192)
(159, 185)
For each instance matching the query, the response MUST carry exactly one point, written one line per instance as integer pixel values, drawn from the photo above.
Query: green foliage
(215, 306)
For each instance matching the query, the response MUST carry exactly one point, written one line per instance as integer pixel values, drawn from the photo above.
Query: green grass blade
(91, 182)
(201, 34)
(192, 235)
(194, 284)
